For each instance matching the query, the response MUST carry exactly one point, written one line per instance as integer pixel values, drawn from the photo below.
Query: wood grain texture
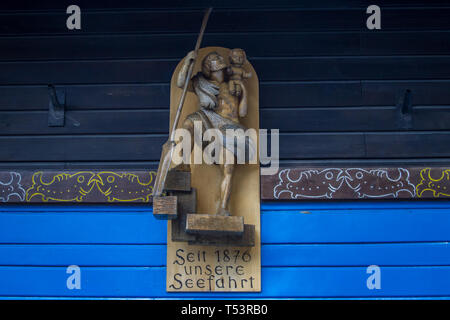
(182, 274)
(316, 62)
(165, 208)
(207, 224)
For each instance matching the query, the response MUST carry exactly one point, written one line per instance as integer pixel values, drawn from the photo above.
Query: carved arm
(184, 69)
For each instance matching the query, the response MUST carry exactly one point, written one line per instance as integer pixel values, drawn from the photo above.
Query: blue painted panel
(383, 254)
(356, 225)
(279, 282)
(81, 224)
(83, 255)
(305, 223)
(322, 251)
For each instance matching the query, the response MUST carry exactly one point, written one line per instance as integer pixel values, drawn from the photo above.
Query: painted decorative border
(76, 186)
(289, 183)
(357, 183)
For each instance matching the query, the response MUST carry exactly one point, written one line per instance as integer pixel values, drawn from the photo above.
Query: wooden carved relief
(214, 241)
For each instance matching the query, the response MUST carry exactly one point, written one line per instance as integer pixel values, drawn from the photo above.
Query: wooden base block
(187, 203)
(211, 224)
(165, 208)
(246, 240)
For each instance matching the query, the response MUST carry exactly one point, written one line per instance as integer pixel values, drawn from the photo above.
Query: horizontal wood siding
(332, 87)
(323, 251)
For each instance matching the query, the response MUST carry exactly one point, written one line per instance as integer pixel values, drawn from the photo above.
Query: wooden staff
(169, 146)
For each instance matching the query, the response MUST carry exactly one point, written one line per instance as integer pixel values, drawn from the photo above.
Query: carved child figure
(236, 72)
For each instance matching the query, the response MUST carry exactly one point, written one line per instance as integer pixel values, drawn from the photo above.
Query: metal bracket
(405, 111)
(56, 107)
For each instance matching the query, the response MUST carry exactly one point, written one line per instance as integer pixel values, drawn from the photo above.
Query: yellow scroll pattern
(439, 187)
(73, 187)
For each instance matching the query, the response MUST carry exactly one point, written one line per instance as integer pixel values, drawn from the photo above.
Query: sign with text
(222, 266)
(213, 269)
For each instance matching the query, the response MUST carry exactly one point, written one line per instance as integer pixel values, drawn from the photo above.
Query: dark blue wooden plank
(407, 144)
(256, 44)
(405, 43)
(143, 147)
(278, 94)
(157, 21)
(423, 93)
(157, 95)
(86, 122)
(309, 94)
(293, 146)
(337, 119)
(30, 5)
(277, 282)
(353, 68)
(280, 255)
(223, 20)
(312, 145)
(141, 121)
(332, 119)
(301, 223)
(88, 72)
(82, 97)
(367, 118)
(269, 69)
(265, 44)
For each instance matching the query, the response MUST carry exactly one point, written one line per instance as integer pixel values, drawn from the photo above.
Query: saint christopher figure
(219, 108)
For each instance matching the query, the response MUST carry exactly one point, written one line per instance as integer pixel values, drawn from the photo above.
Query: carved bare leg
(225, 190)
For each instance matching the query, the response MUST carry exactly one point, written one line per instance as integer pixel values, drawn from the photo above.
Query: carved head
(213, 62)
(237, 57)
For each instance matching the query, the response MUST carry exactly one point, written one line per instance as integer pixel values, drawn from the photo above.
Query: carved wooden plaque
(219, 268)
